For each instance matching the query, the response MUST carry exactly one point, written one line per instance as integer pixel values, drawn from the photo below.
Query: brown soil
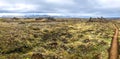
(113, 53)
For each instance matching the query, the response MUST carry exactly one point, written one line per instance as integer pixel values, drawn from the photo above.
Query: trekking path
(113, 52)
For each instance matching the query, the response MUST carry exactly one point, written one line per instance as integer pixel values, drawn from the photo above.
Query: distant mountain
(34, 16)
(37, 15)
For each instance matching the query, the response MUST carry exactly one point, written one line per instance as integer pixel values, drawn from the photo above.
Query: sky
(107, 8)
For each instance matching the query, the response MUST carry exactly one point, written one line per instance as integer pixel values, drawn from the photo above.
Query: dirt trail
(113, 53)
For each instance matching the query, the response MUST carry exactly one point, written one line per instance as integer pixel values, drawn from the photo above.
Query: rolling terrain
(74, 38)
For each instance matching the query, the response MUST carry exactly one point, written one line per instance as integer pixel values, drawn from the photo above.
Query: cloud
(20, 8)
(109, 3)
(61, 2)
(68, 7)
(16, 7)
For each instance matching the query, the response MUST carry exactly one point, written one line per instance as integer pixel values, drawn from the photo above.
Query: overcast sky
(65, 7)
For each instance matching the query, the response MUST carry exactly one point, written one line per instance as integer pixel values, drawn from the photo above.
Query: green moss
(66, 40)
